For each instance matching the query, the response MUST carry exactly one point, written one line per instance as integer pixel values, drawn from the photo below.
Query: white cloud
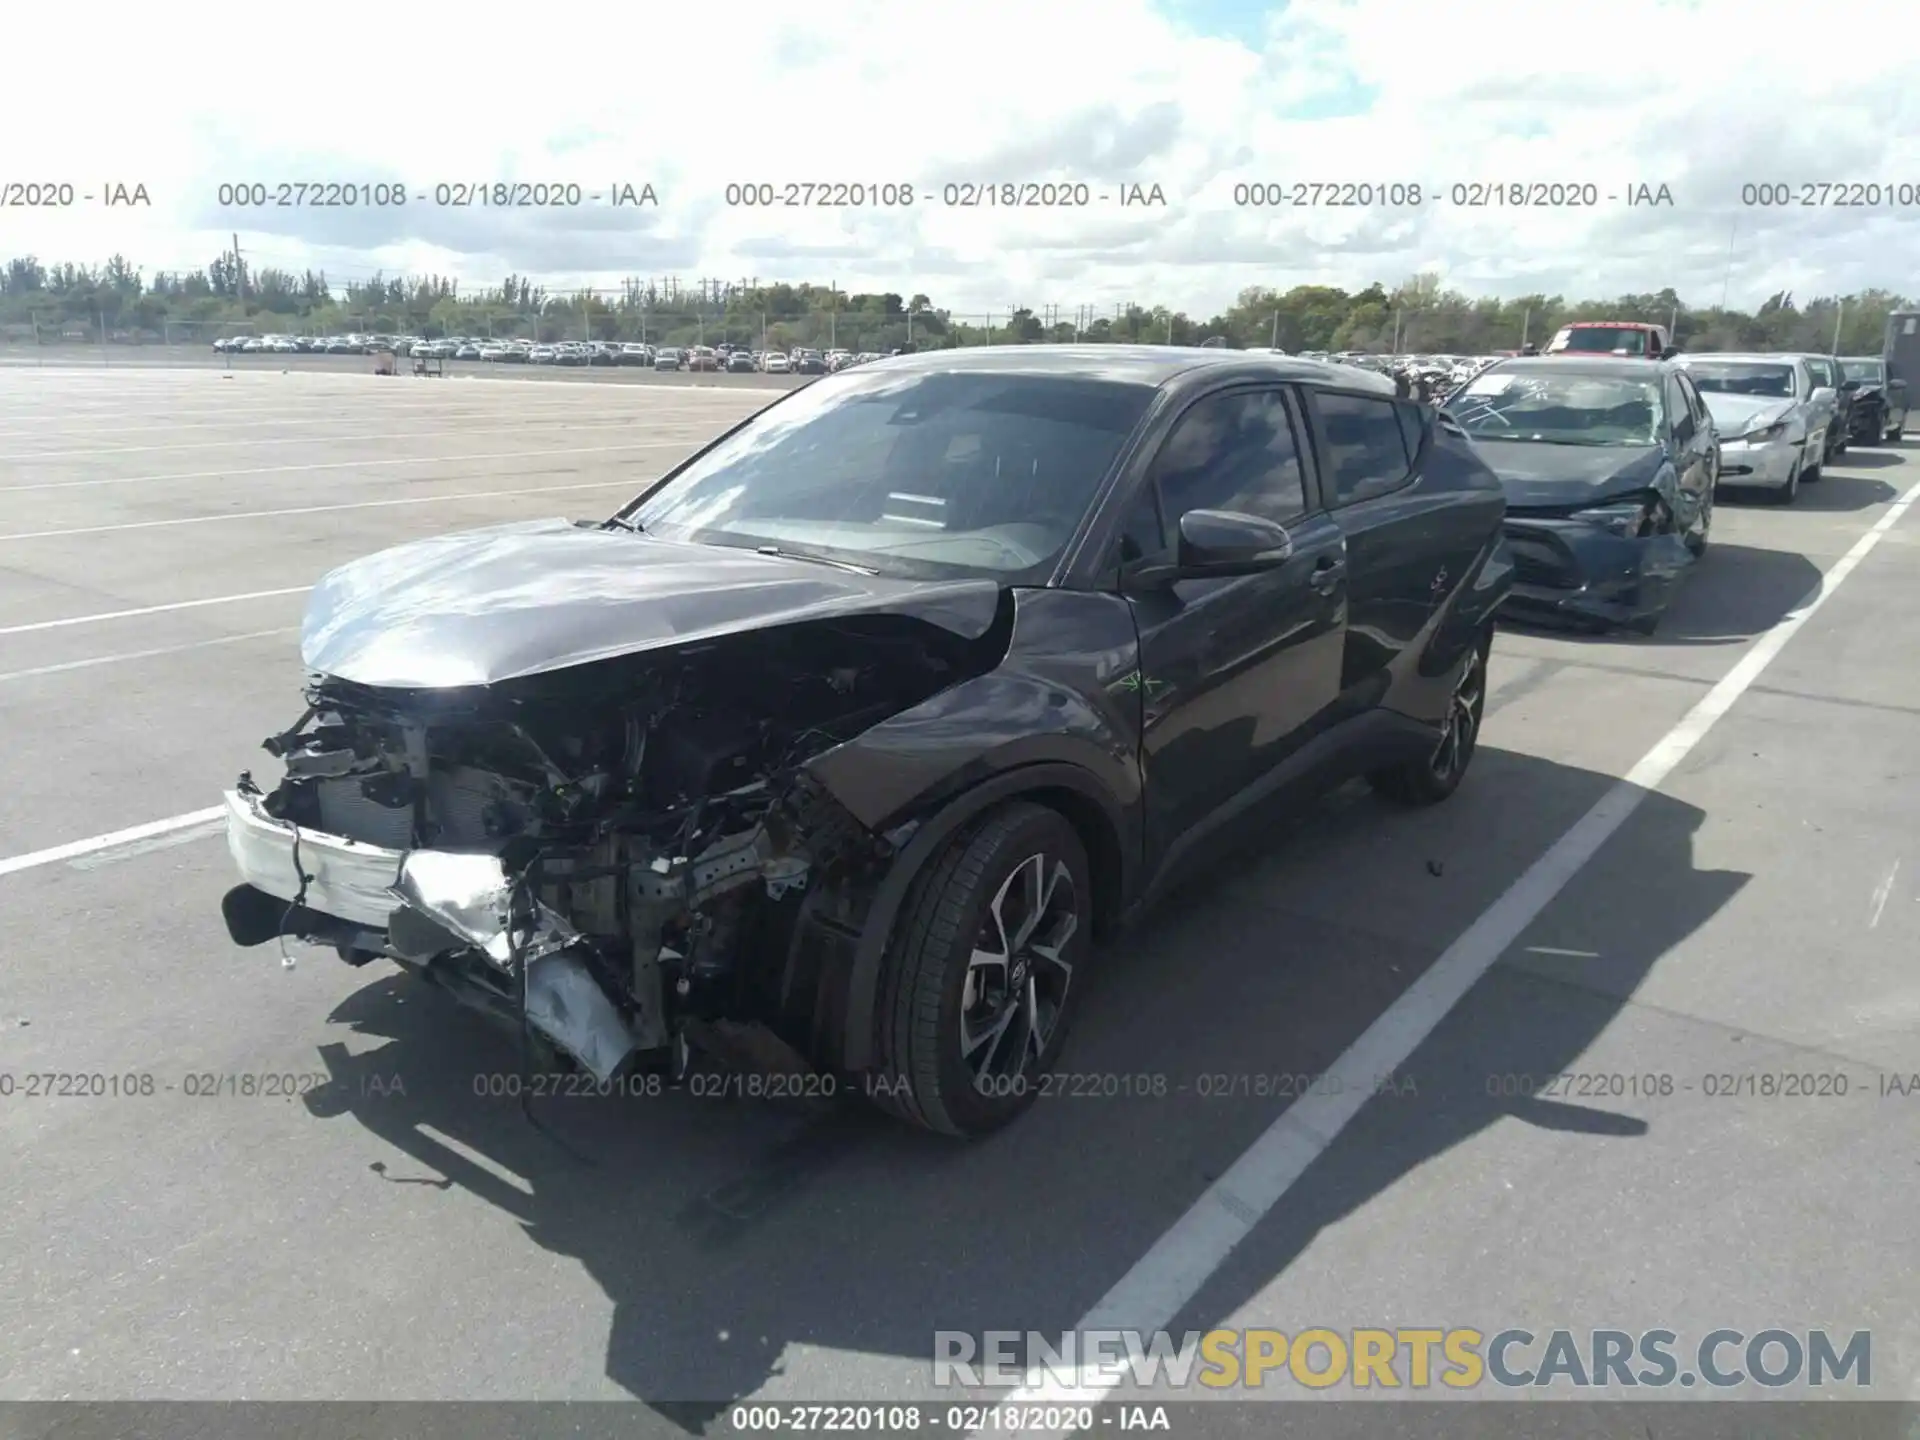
(1701, 97)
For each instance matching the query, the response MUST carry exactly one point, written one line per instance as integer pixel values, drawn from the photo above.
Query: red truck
(1613, 337)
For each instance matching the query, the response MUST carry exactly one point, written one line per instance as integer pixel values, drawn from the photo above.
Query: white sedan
(1768, 410)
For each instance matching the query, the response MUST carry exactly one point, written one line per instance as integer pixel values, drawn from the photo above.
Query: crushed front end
(614, 859)
(1613, 564)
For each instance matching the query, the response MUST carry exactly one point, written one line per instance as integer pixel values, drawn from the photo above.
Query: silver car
(1827, 377)
(1772, 418)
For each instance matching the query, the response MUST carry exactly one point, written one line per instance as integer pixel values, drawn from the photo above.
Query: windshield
(1559, 409)
(1867, 372)
(1599, 340)
(1771, 381)
(921, 475)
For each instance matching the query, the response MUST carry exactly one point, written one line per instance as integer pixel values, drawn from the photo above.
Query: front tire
(1429, 779)
(1789, 492)
(983, 972)
(1697, 543)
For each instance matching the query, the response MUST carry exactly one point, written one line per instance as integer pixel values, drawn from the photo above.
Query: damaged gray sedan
(1609, 467)
(830, 751)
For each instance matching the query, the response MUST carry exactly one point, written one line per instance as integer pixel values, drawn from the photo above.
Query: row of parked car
(733, 359)
(1612, 455)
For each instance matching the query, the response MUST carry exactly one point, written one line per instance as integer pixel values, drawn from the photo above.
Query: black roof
(1624, 367)
(1151, 365)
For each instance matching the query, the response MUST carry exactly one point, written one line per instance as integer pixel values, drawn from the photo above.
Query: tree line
(119, 301)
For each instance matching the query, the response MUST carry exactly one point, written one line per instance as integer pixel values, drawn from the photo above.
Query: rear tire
(984, 972)
(1430, 779)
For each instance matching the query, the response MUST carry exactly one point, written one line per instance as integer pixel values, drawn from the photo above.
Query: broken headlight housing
(1626, 521)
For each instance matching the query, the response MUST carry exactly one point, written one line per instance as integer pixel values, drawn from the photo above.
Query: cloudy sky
(1195, 97)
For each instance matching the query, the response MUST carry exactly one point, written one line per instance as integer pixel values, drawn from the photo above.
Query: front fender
(1058, 695)
(1055, 716)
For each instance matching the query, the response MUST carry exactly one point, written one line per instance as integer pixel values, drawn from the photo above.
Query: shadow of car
(716, 1245)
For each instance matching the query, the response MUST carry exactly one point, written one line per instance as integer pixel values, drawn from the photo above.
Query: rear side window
(1413, 427)
(1366, 448)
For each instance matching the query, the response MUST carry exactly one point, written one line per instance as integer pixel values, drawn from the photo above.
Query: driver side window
(1237, 452)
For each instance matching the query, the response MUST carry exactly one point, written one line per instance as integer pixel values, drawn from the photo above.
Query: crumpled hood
(515, 600)
(1736, 414)
(1540, 476)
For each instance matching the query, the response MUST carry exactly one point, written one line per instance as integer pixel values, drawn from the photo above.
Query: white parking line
(130, 836)
(1152, 1294)
(632, 484)
(100, 615)
(125, 655)
(1880, 895)
(351, 465)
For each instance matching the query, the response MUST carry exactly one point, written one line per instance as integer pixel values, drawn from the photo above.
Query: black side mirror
(1669, 352)
(1224, 542)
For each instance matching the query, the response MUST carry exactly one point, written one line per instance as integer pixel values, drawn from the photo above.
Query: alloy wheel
(1018, 974)
(1463, 718)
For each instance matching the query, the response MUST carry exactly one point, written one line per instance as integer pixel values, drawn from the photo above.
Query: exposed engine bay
(614, 855)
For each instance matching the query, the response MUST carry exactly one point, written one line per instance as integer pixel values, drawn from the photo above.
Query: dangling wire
(524, 884)
(298, 902)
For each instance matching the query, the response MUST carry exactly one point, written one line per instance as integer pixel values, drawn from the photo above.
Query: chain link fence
(50, 337)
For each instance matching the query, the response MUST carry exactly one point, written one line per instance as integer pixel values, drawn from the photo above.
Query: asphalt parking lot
(78, 355)
(394, 1234)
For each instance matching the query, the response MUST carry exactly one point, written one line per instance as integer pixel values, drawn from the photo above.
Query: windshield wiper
(779, 554)
(619, 522)
(1550, 440)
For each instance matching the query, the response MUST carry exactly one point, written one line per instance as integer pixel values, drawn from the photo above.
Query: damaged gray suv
(832, 751)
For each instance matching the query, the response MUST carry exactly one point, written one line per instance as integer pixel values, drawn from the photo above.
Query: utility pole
(1727, 279)
(239, 276)
(1273, 342)
(1838, 319)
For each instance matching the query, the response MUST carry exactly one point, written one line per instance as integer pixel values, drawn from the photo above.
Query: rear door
(1403, 546)
(1235, 673)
